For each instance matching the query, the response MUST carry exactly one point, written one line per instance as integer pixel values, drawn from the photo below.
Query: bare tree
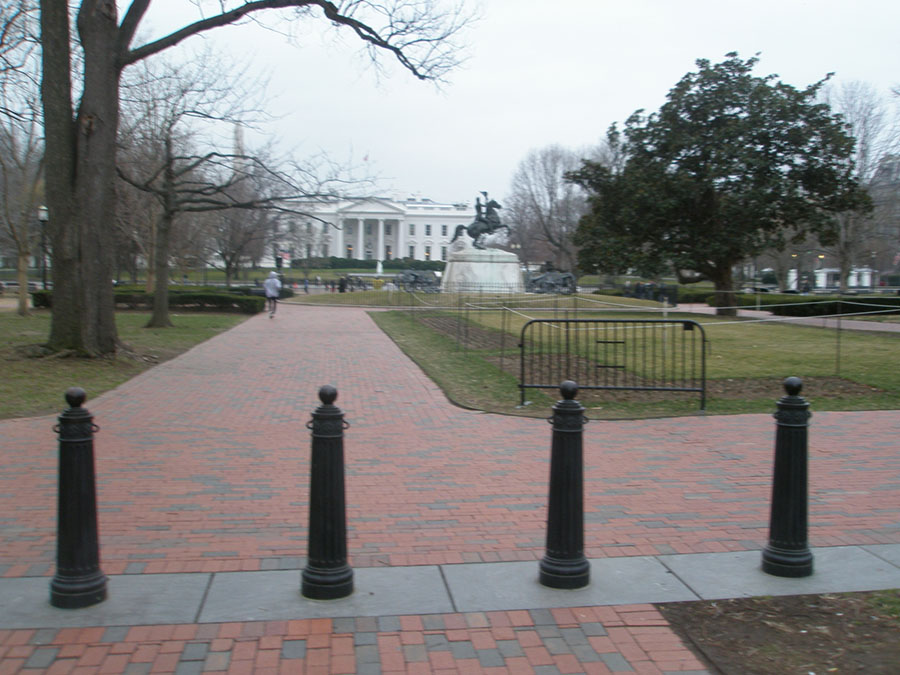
(81, 143)
(543, 206)
(18, 58)
(160, 105)
(21, 150)
(21, 165)
(21, 142)
(876, 129)
(236, 235)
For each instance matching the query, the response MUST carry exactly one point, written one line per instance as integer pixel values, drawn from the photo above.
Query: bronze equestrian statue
(484, 224)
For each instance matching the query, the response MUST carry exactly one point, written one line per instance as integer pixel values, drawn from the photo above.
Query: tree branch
(408, 28)
(223, 19)
(130, 24)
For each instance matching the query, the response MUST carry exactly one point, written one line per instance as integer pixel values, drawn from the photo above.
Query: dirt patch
(803, 634)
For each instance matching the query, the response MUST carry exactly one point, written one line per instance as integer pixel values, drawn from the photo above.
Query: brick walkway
(202, 466)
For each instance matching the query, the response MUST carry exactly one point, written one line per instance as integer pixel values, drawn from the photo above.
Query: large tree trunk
(151, 258)
(59, 169)
(160, 317)
(22, 278)
(81, 177)
(726, 298)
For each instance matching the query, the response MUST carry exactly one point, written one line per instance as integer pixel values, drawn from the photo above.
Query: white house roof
(370, 206)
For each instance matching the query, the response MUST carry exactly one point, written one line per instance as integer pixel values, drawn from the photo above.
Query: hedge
(285, 292)
(200, 301)
(819, 305)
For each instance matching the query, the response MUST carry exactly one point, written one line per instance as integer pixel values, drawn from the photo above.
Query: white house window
(443, 230)
(368, 228)
(387, 252)
(387, 229)
(428, 230)
(349, 250)
(412, 251)
(443, 252)
(412, 229)
(427, 253)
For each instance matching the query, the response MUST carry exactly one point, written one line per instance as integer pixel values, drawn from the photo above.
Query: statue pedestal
(472, 270)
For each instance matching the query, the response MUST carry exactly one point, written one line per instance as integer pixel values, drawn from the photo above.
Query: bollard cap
(568, 389)
(793, 385)
(328, 394)
(75, 396)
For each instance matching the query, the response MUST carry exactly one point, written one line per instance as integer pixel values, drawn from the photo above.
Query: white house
(379, 228)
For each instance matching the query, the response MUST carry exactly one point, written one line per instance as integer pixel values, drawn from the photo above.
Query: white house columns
(392, 218)
(379, 247)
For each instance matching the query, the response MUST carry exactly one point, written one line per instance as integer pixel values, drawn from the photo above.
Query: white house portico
(382, 229)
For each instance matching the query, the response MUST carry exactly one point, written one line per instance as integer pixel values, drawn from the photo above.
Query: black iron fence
(614, 354)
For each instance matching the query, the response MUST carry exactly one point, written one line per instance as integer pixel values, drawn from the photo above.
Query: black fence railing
(614, 354)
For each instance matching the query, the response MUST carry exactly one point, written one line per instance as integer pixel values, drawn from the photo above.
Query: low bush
(184, 300)
(789, 304)
(285, 292)
(690, 296)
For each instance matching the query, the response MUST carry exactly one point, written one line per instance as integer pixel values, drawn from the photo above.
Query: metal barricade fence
(614, 354)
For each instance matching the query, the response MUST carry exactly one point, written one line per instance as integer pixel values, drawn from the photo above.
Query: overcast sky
(538, 73)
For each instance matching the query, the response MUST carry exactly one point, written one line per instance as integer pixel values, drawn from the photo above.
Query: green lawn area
(746, 360)
(746, 364)
(35, 386)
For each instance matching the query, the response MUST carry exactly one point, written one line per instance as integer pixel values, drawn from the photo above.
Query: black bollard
(78, 582)
(327, 575)
(564, 564)
(787, 553)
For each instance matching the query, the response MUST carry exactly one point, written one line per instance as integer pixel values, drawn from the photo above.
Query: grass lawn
(746, 361)
(746, 364)
(36, 386)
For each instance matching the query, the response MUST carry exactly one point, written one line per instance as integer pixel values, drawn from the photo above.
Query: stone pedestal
(472, 270)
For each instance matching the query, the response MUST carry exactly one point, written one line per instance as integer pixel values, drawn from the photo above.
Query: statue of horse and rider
(487, 221)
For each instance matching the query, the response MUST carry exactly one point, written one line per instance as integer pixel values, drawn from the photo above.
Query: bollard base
(77, 592)
(327, 584)
(566, 574)
(782, 562)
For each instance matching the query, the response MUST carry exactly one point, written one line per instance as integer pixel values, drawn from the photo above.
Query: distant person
(342, 285)
(306, 285)
(273, 290)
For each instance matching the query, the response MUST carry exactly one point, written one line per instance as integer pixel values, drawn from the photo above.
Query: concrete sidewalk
(202, 468)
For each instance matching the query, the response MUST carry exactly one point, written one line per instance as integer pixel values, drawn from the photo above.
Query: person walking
(273, 289)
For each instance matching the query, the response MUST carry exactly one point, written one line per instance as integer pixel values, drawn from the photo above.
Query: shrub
(185, 300)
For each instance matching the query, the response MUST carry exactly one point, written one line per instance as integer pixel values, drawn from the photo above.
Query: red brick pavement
(579, 640)
(202, 465)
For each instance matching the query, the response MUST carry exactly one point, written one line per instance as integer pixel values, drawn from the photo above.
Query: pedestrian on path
(273, 289)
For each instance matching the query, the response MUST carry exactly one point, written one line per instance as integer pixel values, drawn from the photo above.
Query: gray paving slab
(889, 552)
(378, 591)
(734, 575)
(133, 600)
(388, 592)
(614, 581)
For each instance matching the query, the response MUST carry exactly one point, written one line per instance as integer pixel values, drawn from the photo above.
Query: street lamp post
(798, 260)
(43, 217)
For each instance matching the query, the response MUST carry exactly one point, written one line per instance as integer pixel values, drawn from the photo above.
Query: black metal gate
(626, 354)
